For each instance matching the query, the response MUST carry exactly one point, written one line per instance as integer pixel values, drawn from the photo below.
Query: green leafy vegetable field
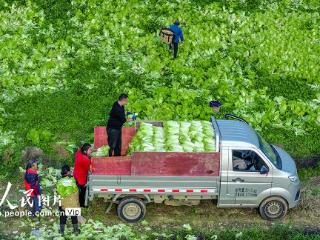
(63, 64)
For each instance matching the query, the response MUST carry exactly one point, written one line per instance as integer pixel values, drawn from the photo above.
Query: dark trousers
(114, 141)
(63, 217)
(37, 205)
(82, 194)
(175, 49)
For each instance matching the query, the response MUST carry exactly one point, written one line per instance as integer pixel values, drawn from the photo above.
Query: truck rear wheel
(273, 208)
(131, 210)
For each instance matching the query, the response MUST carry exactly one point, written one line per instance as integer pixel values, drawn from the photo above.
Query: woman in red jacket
(81, 170)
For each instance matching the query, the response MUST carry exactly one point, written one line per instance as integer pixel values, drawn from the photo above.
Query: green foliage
(63, 63)
(97, 230)
(36, 137)
(55, 118)
(307, 173)
(292, 89)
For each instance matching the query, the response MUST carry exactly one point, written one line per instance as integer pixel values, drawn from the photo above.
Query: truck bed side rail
(217, 132)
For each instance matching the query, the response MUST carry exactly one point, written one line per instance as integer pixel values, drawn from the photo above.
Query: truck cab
(254, 173)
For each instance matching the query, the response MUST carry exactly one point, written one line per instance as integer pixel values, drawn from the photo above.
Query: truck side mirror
(264, 170)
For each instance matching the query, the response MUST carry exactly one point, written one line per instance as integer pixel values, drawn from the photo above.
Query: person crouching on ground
(81, 170)
(68, 191)
(32, 186)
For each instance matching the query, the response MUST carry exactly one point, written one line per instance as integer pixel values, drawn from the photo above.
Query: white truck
(269, 180)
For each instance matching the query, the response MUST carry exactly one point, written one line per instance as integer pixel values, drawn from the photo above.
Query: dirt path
(307, 213)
(205, 216)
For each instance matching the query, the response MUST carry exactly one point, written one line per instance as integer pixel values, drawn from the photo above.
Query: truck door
(225, 198)
(245, 180)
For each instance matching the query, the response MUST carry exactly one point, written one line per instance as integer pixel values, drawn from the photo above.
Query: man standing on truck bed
(117, 117)
(177, 36)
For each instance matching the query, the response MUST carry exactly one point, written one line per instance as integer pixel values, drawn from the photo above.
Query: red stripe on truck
(159, 190)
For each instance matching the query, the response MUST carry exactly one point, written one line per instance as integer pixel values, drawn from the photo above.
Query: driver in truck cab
(245, 161)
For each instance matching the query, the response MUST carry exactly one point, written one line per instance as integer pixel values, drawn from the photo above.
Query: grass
(207, 219)
(291, 88)
(306, 214)
(70, 115)
(301, 148)
(236, 229)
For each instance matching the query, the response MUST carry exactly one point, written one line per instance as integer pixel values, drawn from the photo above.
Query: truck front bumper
(296, 200)
(296, 194)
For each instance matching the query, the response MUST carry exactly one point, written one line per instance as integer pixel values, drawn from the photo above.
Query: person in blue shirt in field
(178, 35)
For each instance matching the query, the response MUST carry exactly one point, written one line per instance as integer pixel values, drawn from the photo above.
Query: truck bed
(158, 174)
(152, 163)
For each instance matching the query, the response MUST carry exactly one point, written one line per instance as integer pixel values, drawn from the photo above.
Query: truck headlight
(293, 178)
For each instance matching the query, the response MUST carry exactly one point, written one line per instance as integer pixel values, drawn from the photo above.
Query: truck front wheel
(131, 210)
(273, 208)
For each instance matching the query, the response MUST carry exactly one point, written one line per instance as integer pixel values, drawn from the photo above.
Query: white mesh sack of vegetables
(193, 136)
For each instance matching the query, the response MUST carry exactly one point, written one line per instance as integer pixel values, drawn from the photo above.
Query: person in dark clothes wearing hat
(117, 117)
(215, 105)
(177, 36)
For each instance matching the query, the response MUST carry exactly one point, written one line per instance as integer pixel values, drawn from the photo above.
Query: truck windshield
(270, 152)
